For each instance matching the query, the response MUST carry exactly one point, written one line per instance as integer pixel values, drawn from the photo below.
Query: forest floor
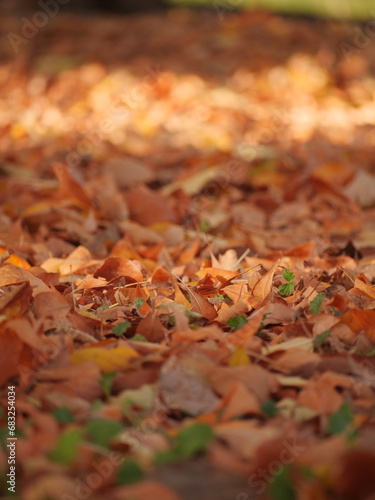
(187, 231)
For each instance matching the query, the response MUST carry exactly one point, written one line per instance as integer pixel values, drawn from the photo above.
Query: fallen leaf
(264, 285)
(360, 320)
(108, 360)
(182, 389)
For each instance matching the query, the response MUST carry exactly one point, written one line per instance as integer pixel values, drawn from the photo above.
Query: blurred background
(358, 9)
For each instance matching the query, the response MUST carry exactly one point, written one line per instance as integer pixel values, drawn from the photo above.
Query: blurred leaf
(103, 431)
(121, 328)
(63, 415)
(106, 382)
(138, 338)
(339, 421)
(66, 449)
(281, 486)
(320, 339)
(269, 408)
(194, 439)
(237, 322)
(108, 360)
(129, 472)
(239, 357)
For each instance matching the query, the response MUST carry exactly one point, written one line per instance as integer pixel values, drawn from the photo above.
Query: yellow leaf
(39, 208)
(239, 357)
(108, 360)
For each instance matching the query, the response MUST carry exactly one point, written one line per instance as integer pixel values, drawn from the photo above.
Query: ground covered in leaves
(187, 231)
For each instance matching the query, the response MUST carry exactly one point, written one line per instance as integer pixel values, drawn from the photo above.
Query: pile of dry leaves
(187, 232)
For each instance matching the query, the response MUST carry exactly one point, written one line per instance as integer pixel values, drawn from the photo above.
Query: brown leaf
(148, 207)
(151, 328)
(10, 274)
(10, 352)
(182, 389)
(200, 305)
(16, 299)
(70, 187)
(114, 267)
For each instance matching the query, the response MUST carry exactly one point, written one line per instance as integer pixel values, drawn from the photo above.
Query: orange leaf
(18, 261)
(240, 307)
(70, 188)
(239, 401)
(179, 297)
(364, 285)
(119, 266)
(161, 275)
(201, 305)
(215, 273)
(360, 320)
(16, 301)
(250, 329)
(264, 285)
(10, 274)
(190, 252)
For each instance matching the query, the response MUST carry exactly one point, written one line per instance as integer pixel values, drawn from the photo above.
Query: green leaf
(138, 302)
(101, 308)
(103, 431)
(121, 328)
(286, 289)
(308, 472)
(138, 338)
(237, 322)
(204, 226)
(107, 381)
(63, 415)
(269, 408)
(129, 472)
(321, 338)
(96, 405)
(281, 488)
(194, 439)
(316, 303)
(339, 421)
(335, 312)
(220, 297)
(66, 449)
(288, 275)
(165, 457)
